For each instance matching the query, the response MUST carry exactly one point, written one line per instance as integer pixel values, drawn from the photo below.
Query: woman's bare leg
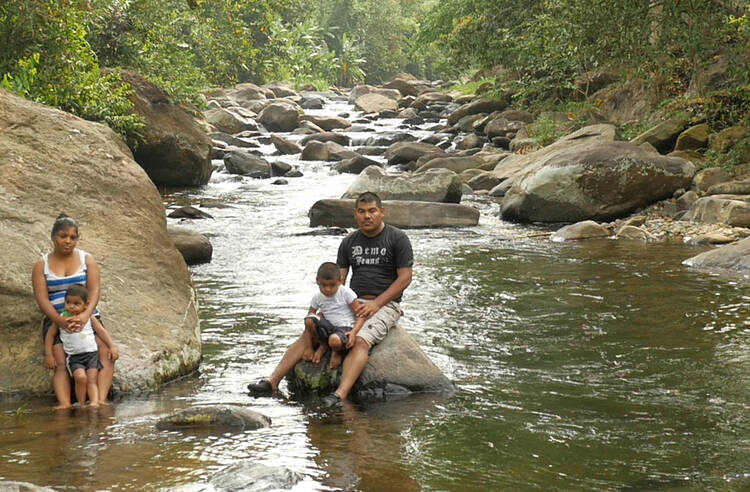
(61, 379)
(106, 373)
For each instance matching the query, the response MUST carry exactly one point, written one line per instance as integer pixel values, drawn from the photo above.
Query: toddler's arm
(99, 329)
(351, 335)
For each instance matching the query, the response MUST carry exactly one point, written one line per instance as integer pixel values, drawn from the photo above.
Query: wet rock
(189, 212)
(338, 152)
(483, 181)
(280, 181)
(219, 418)
(706, 178)
(281, 90)
(397, 362)
(730, 257)
(587, 229)
(311, 103)
(285, 146)
(246, 164)
(403, 214)
(194, 247)
(232, 140)
(328, 231)
(280, 168)
(356, 165)
(293, 173)
(458, 164)
(361, 90)
(339, 138)
(407, 85)
(470, 142)
(389, 138)
(279, 117)
(436, 185)
(314, 151)
(634, 233)
(249, 476)
(713, 238)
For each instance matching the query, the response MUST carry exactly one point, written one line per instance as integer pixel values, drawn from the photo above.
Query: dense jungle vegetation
(538, 51)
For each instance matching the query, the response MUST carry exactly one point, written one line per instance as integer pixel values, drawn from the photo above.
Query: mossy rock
(220, 418)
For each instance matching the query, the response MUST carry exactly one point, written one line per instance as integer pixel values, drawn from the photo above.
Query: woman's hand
(113, 353)
(73, 324)
(49, 361)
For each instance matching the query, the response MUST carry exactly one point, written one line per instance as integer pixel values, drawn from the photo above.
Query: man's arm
(403, 279)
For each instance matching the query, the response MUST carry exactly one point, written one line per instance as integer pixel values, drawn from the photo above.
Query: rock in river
(215, 417)
(399, 213)
(435, 185)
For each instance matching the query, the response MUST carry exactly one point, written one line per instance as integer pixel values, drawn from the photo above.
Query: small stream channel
(597, 365)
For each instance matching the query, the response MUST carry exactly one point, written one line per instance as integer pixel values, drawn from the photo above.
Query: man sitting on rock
(381, 260)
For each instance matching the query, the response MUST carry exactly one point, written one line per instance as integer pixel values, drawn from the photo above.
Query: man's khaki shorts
(375, 329)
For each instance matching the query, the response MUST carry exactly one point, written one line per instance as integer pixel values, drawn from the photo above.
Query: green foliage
(729, 160)
(545, 130)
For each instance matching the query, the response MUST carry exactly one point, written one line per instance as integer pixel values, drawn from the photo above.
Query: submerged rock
(587, 229)
(215, 417)
(249, 476)
(403, 214)
(730, 257)
(12, 486)
(397, 365)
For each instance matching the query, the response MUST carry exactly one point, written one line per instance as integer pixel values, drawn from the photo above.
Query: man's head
(76, 299)
(328, 278)
(369, 213)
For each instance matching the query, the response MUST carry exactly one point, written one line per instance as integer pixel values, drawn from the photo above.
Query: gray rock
(741, 187)
(470, 141)
(219, 418)
(389, 138)
(730, 257)
(285, 146)
(189, 212)
(686, 200)
(721, 209)
(246, 164)
(194, 247)
(375, 103)
(634, 233)
(361, 90)
(587, 229)
(706, 178)
(695, 137)
(356, 165)
(315, 151)
(339, 138)
(279, 117)
(280, 168)
(405, 152)
(484, 181)
(328, 123)
(280, 181)
(397, 362)
(664, 135)
(401, 214)
(458, 164)
(293, 173)
(281, 90)
(475, 107)
(436, 185)
(233, 141)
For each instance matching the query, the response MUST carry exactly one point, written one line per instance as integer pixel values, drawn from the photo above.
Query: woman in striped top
(52, 275)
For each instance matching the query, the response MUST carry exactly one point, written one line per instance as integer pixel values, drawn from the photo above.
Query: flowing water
(597, 365)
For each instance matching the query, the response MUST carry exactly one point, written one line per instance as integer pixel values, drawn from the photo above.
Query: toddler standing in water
(80, 347)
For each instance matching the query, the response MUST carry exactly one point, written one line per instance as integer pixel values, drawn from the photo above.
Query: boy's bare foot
(319, 354)
(335, 360)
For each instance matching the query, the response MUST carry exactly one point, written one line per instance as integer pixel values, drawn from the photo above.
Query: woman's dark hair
(329, 271)
(63, 222)
(78, 290)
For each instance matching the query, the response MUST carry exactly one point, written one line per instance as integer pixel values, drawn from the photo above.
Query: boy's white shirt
(336, 309)
(79, 342)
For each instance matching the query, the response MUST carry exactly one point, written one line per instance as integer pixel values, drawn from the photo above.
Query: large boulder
(175, 150)
(733, 210)
(407, 85)
(279, 117)
(51, 162)
(458, 164)
(404, 152)
(375, 103)
(228, 121)
(664, 135)
(328, 123)
(247, 164)
(599, 181)
(356, 165)
(396, 365)
(284, 145)
(404, 214)
(436, 185)
(730, 257)
(475, 107)
(360, 90)
(194, 247)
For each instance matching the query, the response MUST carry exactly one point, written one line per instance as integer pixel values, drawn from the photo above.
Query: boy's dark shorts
(326, 329)
(85, 361)
(47, 323)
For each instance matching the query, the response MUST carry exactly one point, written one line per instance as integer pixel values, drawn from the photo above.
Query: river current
(596, 365)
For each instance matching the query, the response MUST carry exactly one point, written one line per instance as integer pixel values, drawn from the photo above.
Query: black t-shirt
(374, 260)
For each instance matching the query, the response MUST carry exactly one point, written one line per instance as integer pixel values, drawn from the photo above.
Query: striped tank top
(56, 286)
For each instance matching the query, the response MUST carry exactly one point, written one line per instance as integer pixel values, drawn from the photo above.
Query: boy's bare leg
(61, 378)
(81, 382)
(320, 352)
(292, 355)
(337, 351)
(104, 379)
(311, 339)
(92, 386)
(354, 364)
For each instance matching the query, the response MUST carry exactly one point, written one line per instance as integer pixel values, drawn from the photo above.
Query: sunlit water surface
(597, 365)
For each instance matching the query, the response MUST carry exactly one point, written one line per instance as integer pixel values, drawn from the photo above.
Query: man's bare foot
(319, 354)
(335, 360)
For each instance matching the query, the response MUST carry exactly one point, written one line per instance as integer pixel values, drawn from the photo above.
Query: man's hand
(367, 309)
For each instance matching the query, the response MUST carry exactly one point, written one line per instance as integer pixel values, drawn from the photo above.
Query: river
(596, 365)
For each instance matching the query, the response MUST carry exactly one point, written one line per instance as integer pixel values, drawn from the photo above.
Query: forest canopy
(54, 50)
